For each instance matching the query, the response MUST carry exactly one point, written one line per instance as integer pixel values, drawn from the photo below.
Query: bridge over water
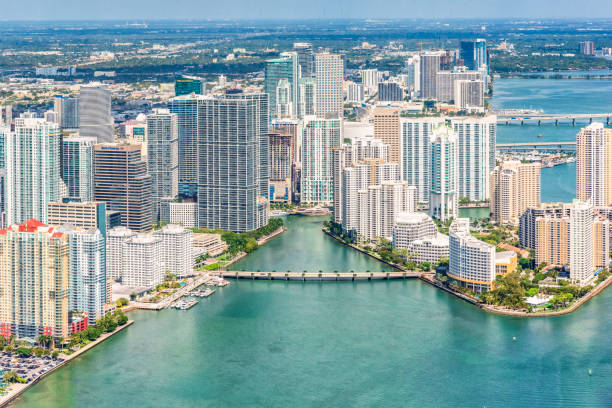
(504, 118)
(321, 276)
(547, 146)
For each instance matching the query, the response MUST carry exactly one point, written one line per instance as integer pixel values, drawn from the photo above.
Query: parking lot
(29, 368)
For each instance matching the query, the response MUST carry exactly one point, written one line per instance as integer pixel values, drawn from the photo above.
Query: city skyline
(294, 10)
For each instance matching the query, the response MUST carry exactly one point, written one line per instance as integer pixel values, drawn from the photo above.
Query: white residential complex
(594, 164)
(444, 197)
(417, 233)
(471, 261)
(177, 249)
(581, 242)
(143, 264)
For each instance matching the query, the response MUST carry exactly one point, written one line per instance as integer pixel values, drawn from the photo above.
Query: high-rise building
(594, 164)
(469, 95)
(471, 261)
(185, 85)
(115, 240)
(95, 118)
(369, 79)
(143, 265)
(85, 215)
(445, 82)
(77, 169)
(34, 275)
(444, 194)
(527, 222)
(581, 242)
(429, 67)
(416, 136)
(66, 112)
(33, 176)
(417, 233)
(387, 129)
(287, 68)
(390, 91)
(176, 247)
(587, 47)
(355, 93)
(122, 181)
(233, 163)
(307, 97)
(186, 109)
(474, 54)
(319, 138)
(514, 187)
(280, 154)
(87, 263)
(305, 59)
(330, 74)
(162, 138)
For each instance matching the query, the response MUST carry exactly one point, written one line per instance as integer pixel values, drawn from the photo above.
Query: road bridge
(549, 146)
(556, 119)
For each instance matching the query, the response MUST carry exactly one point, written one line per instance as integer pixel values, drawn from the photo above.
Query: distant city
(135, 174)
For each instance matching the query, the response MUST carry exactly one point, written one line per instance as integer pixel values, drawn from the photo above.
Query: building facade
(77, 169)
(95, 118)
(594, 164)
(329, 76)
(514, 187)
(319, 138)
(444, 194)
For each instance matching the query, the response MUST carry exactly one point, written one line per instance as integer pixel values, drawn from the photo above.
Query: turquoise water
(363, 344)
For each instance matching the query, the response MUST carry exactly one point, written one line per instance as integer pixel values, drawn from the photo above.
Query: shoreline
(17, 389)
(485, 307)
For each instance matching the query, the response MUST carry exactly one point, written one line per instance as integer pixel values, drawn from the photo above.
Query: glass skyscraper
(474, 54)
(284, 67)
(186, 109)
(185, 85)
(230, 194)
(77, 169)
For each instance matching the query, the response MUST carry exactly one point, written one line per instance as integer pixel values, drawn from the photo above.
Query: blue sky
(298, 9)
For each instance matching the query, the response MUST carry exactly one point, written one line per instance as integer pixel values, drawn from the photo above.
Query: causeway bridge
(540, 118)
(546, 146)
(320, 276)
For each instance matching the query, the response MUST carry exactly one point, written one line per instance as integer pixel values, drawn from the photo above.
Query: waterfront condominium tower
(594, 164)
(319, 138)
(87, 260)
(387, 129)
(186, 109)
(231, 159)
(444, 197)
(416, 135)
(581, 242)
(429, 67)
(35, 293)
(162, 140)
(330, 74)
(95, 118)
(305, 59)
(471, 261)
(185, 85)
(32, 169)
(514, 187)
(122, 181)
(476, 139)
(66, 112)
(77, 171)
(177, 243)
(286, 68)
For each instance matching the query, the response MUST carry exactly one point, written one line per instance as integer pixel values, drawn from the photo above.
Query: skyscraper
(369, 79)
(305, 59)
(387, 129)
(287, 68)
(429, 67)
(308, 97)
(66, 112)
(86, 215)
(444, 197)
(416, 136)
(474, 54)
(514, 187)
(186, 109)
(594, 164)
(162, 138)
(587, 47)
(34, 271)
(87, 263)
(185, 85)
(330, 74)
(319, 138)
(32, 169)
(230, 166)
(581, 242)
(469, 95)
(122, 181)
(77, 171)
(95, 118)
(390, 91)
(476, 137)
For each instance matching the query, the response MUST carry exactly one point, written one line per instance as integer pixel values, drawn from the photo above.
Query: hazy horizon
(245, 10)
